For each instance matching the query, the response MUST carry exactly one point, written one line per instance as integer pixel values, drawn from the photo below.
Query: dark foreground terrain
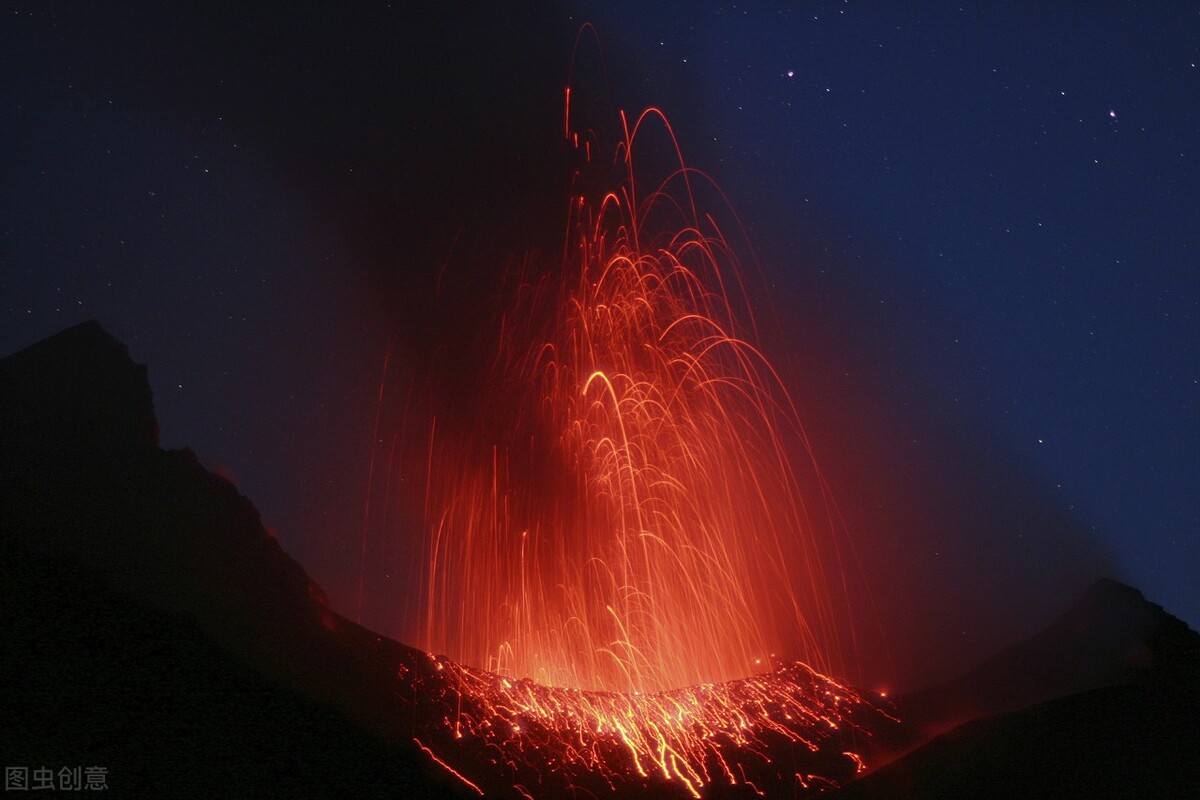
(151, 627)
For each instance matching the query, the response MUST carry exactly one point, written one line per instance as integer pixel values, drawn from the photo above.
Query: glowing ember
(791, 730)
(625, 516)
(620, 538)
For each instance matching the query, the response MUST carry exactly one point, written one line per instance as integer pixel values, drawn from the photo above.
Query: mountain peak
(74, 395)
(1111, 635)
(1111, 587)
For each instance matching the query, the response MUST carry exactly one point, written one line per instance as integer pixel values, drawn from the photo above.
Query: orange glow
(619, 559)
(447, 767)
(752, 732)
(626, 514)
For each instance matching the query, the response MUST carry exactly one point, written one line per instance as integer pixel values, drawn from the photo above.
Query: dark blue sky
(980, 227)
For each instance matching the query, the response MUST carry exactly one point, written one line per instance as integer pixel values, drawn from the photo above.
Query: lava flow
(791, 732)
(620, 537)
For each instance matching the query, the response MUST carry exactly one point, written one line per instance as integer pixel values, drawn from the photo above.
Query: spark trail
(791, 732)
(625, 514)
(619, 543)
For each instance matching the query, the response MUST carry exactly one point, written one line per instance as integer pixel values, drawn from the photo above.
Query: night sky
(979, 228)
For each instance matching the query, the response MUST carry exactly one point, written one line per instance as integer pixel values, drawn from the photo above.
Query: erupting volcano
(630, 544)
(625, 515)
(642, 503)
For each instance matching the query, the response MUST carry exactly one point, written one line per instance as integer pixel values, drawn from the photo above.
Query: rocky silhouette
(152, 627)
(1104, 702)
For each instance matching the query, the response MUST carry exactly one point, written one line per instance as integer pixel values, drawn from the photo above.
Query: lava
(619, 543)
(624, 515)
(792, 729)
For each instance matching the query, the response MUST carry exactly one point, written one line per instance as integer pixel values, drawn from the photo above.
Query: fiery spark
(620, 537)
(787, 730)
(625, 515)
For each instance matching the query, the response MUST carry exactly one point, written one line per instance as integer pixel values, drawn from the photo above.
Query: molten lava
(792, 732)
(620, 537)
(625, 516)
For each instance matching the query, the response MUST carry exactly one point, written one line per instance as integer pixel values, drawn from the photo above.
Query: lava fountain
(619, 543)
(625, 515)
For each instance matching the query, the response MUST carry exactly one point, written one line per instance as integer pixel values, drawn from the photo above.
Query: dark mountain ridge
(1110, 636)
(153, 626)
(1103, 702)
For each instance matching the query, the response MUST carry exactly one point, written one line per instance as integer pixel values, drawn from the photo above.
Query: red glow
(621, 536)
(500, 735)
(626, 516)
(466, 781)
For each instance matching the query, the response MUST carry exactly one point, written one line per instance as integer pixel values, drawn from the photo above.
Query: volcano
(156, 634)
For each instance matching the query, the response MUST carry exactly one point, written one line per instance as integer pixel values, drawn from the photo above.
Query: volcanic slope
(1104, 702)
(153, 627)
